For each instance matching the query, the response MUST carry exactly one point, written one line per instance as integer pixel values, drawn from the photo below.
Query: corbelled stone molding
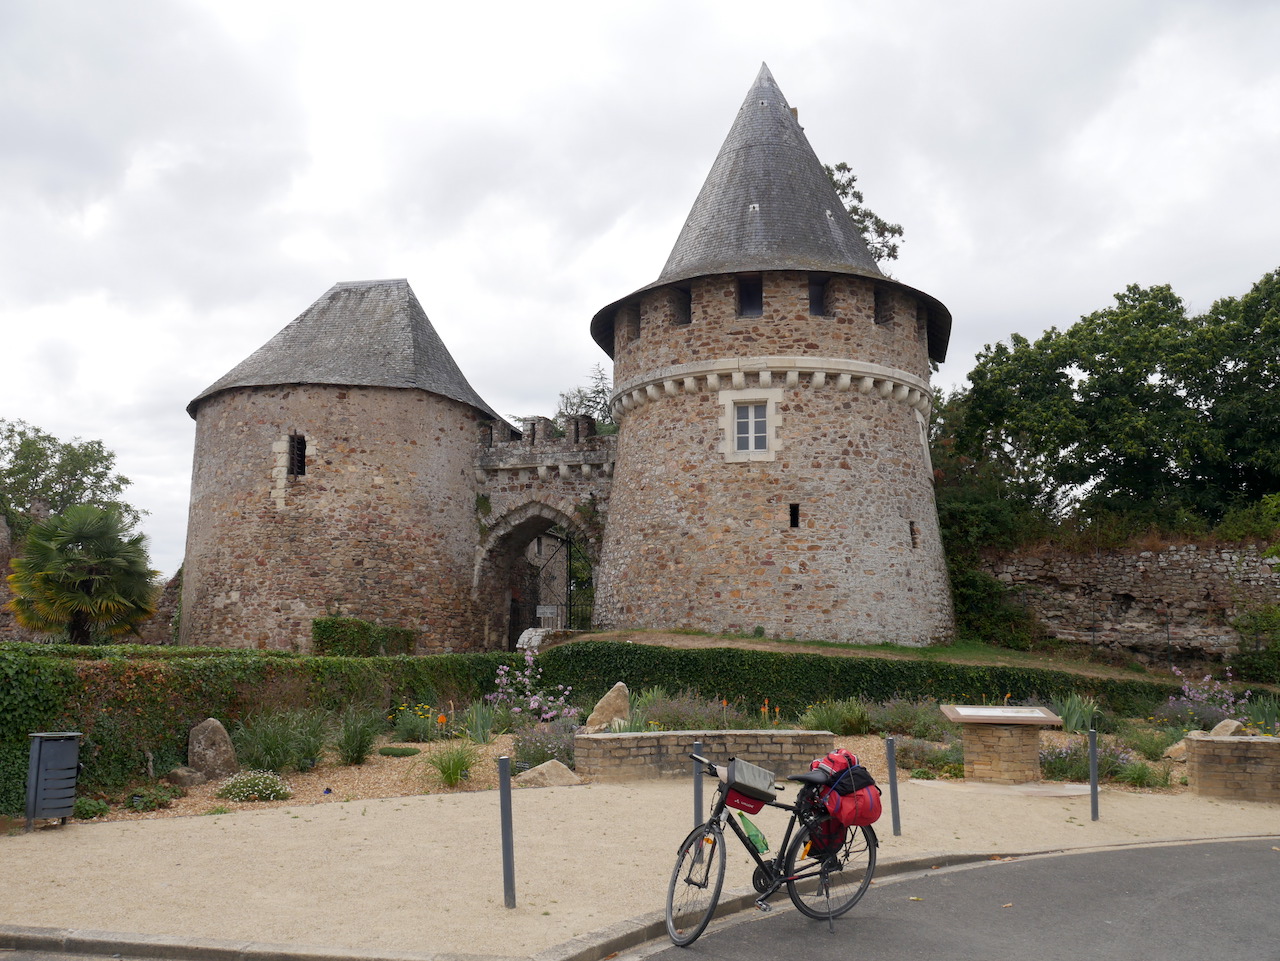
(765, 372)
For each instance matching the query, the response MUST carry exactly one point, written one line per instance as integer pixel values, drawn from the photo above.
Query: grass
(454, 762)
(357, 733)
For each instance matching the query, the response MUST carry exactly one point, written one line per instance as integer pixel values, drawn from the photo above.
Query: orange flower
(442, 719)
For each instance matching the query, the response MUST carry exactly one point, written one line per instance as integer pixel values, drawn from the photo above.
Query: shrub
(154, 797)
(1142, 774)
(1201, 703)
(1072, 763)
(357, 733)
(87, 808)
(1150, 742)
(540, 743)
(690, 711)
(1262, 714)
(281, 740)
(520, 697)
(912, 753)
(847, 718)
(477, 722)
(352, 637)
(418, 722)
(255, 786)
(454, 763)
(1076, 712)
(917, 718)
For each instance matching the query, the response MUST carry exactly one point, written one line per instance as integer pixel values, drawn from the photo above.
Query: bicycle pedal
(764, 906)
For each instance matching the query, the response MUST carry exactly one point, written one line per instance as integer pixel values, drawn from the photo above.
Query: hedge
(129, 707)
(351, 637)
(132, 701)
(794, 681)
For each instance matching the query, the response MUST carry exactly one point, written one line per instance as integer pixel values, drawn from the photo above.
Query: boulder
(1177, 752)
(210, 751)
(1227, 728)
(185, 777)
(614, 706)
(547, 774)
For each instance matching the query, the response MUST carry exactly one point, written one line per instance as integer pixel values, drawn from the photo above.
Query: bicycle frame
(771, 870)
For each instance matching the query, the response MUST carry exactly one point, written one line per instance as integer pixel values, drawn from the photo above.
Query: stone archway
(528, 563)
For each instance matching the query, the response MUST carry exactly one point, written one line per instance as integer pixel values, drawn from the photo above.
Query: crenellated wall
(1178, 601)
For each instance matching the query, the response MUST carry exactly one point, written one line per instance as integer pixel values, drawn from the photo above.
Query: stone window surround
(764, 373)
(730, 401)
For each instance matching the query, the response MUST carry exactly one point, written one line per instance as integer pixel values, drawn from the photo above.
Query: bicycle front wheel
(695, 883)
(829, 867)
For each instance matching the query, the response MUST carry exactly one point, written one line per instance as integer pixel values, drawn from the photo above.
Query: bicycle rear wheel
(830, 871)
(695, 883)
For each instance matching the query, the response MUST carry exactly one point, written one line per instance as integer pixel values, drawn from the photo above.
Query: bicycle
(826, 867)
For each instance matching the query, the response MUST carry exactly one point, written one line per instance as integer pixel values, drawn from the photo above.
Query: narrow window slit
(795, 515)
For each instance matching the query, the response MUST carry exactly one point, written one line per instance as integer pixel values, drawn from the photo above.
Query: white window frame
(730, 401)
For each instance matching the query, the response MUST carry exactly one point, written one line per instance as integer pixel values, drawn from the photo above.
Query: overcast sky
(179, 180)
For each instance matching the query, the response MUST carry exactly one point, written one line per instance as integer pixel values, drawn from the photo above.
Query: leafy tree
(1136, 410)
(592, 399)
(881, 236)
(85, 573)
(41, 475)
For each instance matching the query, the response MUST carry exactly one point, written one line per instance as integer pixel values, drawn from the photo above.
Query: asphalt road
(1217, 901)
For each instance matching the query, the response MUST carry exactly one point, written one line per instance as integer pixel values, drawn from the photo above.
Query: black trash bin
(51, 776)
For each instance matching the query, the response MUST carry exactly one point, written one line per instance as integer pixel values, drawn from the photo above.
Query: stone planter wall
(629, 757)
(1241, 768)
(1001, 753)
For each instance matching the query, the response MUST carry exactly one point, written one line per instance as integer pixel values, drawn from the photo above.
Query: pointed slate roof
(370, 333)
(768, 204)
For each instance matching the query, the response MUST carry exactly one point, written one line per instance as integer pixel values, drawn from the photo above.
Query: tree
(880, 235)
(85, 573)
(593, 399)
(1136, 410)
(41, 475)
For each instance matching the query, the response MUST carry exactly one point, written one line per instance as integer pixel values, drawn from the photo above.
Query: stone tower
(773, 392)
(334, 472)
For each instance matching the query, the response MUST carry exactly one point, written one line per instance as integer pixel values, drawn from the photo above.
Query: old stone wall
(1179, 601)
(381, 526)
(829, 534)
(642, 756)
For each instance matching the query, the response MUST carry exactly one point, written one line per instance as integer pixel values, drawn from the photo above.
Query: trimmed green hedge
(129, 707)
(130, 701)
(794, 681)
(351, 637)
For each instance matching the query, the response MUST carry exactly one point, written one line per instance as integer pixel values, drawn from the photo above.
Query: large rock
(210, 751)
(1227, 728)
(185, 777)
(1177, 752)
(614, 706)
(547, 774)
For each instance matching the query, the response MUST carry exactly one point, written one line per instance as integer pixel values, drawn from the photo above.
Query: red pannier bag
(851, 795)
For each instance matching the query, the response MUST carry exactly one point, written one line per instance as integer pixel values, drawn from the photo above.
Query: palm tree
(85, 573)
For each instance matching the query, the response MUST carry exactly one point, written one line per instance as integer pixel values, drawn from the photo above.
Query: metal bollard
(508, 842)
(891, 758)
(1093, 774)
(697, 786)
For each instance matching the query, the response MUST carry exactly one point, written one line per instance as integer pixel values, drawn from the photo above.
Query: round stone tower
(772, 388)
(334, 473)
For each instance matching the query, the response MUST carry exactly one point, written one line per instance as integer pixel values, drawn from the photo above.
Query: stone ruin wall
(1176, 603)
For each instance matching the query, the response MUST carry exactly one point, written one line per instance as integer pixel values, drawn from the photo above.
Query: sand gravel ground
(422, 873)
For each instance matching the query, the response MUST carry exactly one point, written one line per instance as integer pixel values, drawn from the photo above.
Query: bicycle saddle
(809, 777)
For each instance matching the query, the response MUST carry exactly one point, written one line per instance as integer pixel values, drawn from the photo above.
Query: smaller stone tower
(772, 388)
(334, 472)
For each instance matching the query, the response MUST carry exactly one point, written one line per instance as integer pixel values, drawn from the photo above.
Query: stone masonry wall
(1177, 602)
(1241, 768)
(629, 757)
(382, 525)
(698, 538)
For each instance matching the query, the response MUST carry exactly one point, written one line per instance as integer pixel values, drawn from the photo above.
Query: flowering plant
(521, 697)
(1203, 702)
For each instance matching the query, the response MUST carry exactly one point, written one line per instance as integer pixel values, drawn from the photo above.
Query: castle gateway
(770, 471)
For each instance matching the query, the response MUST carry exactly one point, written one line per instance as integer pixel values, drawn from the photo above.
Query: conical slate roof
(768, 204)
(370, 333)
